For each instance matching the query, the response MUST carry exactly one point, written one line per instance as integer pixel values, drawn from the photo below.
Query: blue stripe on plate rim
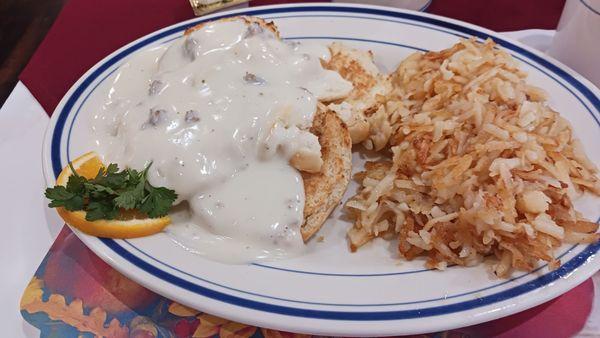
(566, 269)
(446, 297)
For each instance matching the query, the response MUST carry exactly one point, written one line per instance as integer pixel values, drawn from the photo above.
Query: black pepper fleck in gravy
(155, 117)
(253, 79)
(156, 86)
(192, 116)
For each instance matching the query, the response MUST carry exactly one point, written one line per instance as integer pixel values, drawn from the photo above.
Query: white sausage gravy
(219, 113)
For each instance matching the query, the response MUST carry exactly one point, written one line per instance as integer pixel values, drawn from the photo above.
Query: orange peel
(129, 224)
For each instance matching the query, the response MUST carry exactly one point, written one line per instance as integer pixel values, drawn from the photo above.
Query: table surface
(30, 227)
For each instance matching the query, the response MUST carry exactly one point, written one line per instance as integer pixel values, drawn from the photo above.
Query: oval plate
(331, 291)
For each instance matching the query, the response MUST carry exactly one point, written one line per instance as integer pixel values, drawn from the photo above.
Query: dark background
(23, 25)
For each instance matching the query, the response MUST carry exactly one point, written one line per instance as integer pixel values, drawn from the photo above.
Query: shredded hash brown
(479, 165)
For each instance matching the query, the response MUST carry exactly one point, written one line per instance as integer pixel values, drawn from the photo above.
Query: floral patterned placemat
(75, 294)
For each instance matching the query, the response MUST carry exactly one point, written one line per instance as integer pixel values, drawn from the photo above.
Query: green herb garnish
(111, 191)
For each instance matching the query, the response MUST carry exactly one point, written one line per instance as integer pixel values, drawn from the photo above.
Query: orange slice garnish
(129, 224)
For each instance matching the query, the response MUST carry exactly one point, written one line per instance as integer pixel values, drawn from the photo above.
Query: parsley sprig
(103, 196)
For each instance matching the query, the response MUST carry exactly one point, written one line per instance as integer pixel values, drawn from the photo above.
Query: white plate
(331, 291)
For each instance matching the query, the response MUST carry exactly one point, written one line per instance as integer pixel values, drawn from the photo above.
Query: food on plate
(103, 201)
(324, 190)
(480, 165)
(254, 134)
(362, 109)
(230, 116)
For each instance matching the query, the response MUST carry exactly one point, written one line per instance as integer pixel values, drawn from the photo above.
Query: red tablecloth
(86, 31)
